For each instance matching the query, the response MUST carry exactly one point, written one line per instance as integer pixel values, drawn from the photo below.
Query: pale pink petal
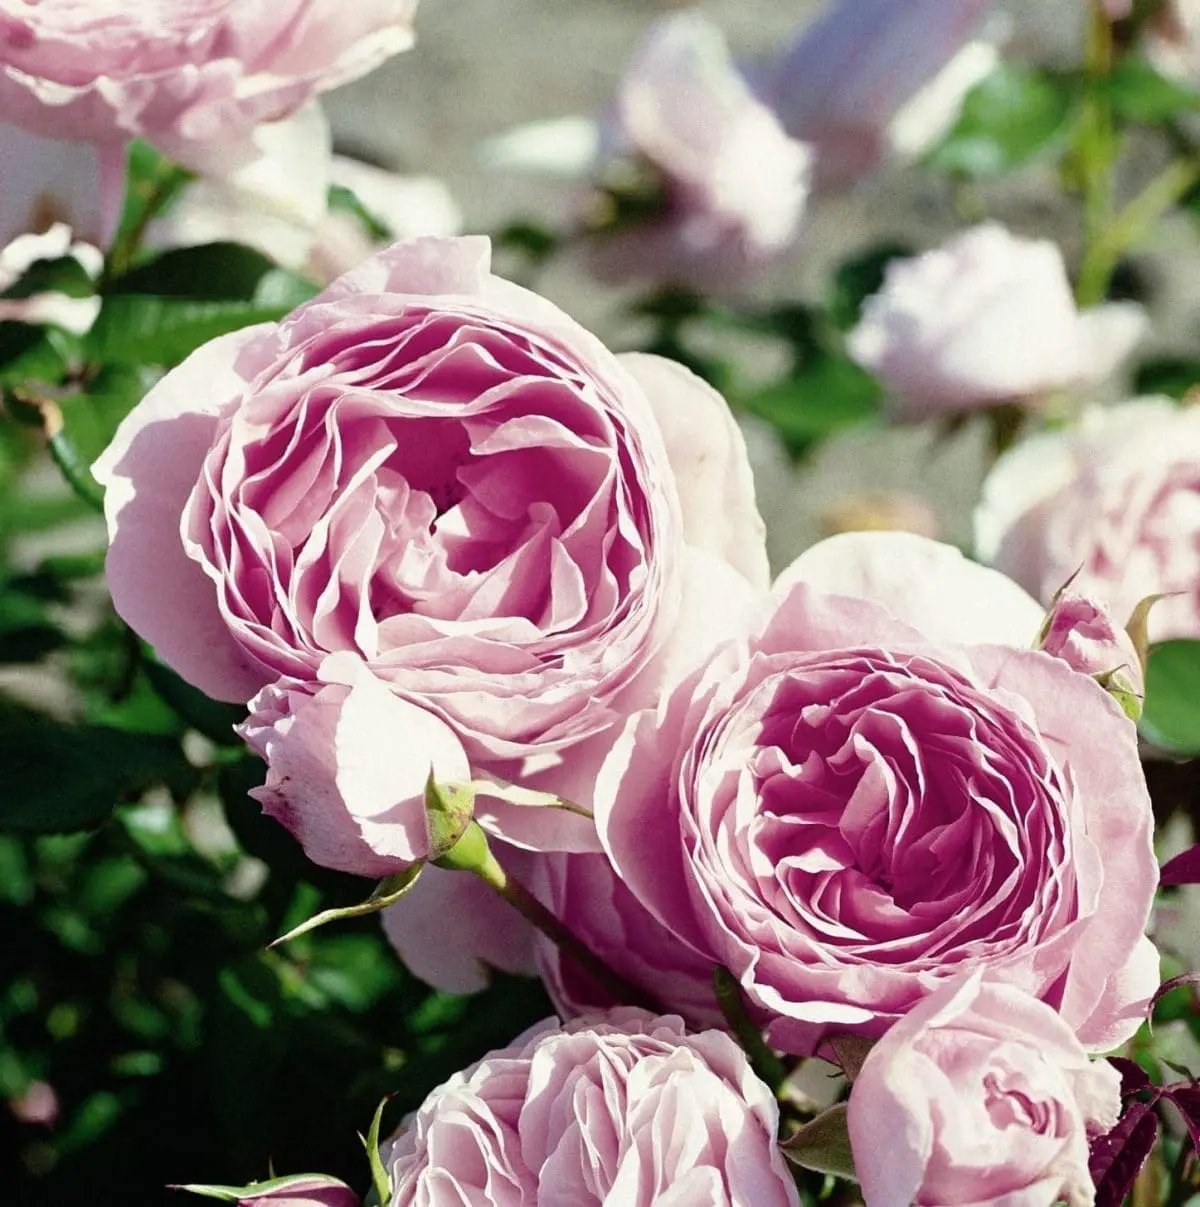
(922, 583)
(148, 473)
(712, 469)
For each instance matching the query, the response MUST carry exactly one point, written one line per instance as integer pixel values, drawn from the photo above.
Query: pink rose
(47, 183)
(734, 183)
(1082, 632)
(986, 318)
(848, 78)
(981, 1094)
(886, 785)
(1115, 500)
(626, 1109)
(428, 491)
(191, 76)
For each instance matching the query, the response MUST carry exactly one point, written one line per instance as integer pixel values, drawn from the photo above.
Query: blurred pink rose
(1116, 499)
(986, 318)
(48, 183)
(734, 183)
(430, 491)
(191, 76)
(848, 77)
(883, 786)
(1083, 633)
(38, 1105)
(981, 1094)
(1172, 40)
(622, 1109)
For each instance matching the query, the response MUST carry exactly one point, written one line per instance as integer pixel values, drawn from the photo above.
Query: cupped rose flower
(1082, 632)
(622, 1109)
(981, 1094)
(1115, 502)
(194, 77)
(428, 483)
(984, 319)
(733, 184)
(884, 786)
(872, 77)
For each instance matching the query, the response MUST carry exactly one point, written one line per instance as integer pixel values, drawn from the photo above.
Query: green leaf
(857, 279)
(343, 200)
(387, 892)
(212, 718)
(1138, 93)
(91, 418)
(216, 272)
(381, 1179)
(141, 329)
(62, 275)
(827, 395)
(823, 1144)
(1171, 718)
(70, 777)
(30, 354)
(1011, 117)
(1169, 375)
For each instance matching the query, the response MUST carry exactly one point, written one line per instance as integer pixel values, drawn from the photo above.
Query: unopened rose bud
(1082, 632)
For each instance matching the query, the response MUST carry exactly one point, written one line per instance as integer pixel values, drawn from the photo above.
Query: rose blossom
(617, 1110)
(886, 785)
(867, 71)
(1116, 499)
(191, 76)
(734, 183)
(981, 1094)
(986, 318)
(428, 492)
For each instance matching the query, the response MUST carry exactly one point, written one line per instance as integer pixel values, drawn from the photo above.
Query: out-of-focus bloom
(1116, 499)
(194, 77)
(980, 1094)
(881, 512)
(278, 204)
(883, 786)
(873, 78)
(622, 1109)
(37, 1105)
(47, 182)
(986, 318)
(1172, 40)
(728, 186)
(50, 308)
(428, 491)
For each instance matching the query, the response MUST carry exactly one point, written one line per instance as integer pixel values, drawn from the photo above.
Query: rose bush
(567, 1115)
(886, 785)
(194, 77)
(986, 318)
(428, 491)
(981, 1094)
(1114, 499)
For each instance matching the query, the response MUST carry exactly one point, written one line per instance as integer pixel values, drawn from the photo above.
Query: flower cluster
(495, 605)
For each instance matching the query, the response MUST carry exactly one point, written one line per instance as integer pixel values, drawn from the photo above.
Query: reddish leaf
(1187, 978)
(1134, 1079)
(1186, 1097)
(1183, 869)
(1117, 1159)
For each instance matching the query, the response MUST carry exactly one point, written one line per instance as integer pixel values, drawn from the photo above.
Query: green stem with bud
(475, 856)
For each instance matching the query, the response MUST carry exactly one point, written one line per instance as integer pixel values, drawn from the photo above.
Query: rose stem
(530, 908)
(763, 1060)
